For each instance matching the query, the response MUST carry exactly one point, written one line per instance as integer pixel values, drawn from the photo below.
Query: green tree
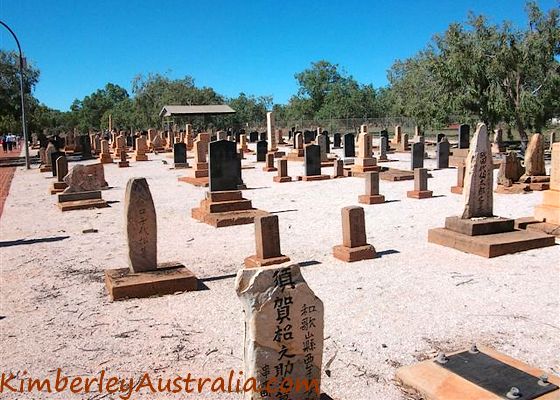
(89, 111)
(249, 109)
(10, 100)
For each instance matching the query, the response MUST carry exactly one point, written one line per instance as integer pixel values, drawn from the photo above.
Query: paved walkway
(6, 175)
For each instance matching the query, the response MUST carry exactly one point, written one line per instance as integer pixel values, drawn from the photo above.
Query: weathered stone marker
(365, 162)
(54, 156)
(267, 239)
(354, 244)
(477, 231)
(458, 188)
(271, 133)
(549, 210)
(123, 162)
(83, 188)
(282, 167)
(269, 166)
(338, 169)
(61, 171)
(372, 195)
(105, 156)
(283, 331)
(141, 149)
(144, 277)
(442, 154)
(420, 185)
(478, 188)
(534, 157)
(417, 155)
(383, 144)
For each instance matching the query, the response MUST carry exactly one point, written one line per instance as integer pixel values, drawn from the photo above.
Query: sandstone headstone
(338, 168)
(398, 134)
(54, 156)
(534, 156)
(141, 226)
(283, 330)
(479, 176)
(267, 239)
(270, 132)
(85, 178)
(510, 169)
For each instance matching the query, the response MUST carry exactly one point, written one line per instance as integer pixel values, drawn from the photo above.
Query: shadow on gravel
(387, 252)
(21, 242)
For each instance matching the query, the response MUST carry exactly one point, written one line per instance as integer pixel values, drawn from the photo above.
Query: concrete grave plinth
(431, 381)
(313, 178)
(533, 224)
(227, 208)
(81, 200)
(420, 185)
(490, 245)
(58, 187)
(419, 194)
(168, 278)
(200, 182)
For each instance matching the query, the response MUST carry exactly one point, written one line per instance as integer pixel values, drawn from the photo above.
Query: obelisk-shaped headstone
(141, 226)
(478, 177)
(270, 132)
(283, 330)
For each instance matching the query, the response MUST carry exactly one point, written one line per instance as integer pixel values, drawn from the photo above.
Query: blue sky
(254, 47)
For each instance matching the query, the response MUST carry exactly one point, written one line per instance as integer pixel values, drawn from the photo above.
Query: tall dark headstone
(129, 140)
(308, 137)
(262, 136)
(385, 134)
(328, 141)
(86, 147)
(417, 155)
(224, 166)
(440, 137)
(349, 145)
(337, 140)
(54, 156)
(312, 160)
(464, 136)
(262, 148)
(253, 137)
(442, 154)
(180, 154)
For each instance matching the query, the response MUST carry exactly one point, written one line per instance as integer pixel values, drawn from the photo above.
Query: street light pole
(23, 124)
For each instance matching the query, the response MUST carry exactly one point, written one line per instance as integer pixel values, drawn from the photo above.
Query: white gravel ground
(379, 314)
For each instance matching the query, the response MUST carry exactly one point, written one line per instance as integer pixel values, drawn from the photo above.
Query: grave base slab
(374, 199)
(58, 187)
(181, 166)
(169, 278)
(82, 204)
(124, 164)
(282, 179)
(516, 188)
(352, 254)
(227, 208)
(419, 194)
(140, 157)
(255, 262)
(270, 169)
(479, 226)
(457, 189)
(548, 212)
(201, 182)
(533, 224)
(433, 382)
(493, 245)
(105, 158)
(313, 178)
(46, 168)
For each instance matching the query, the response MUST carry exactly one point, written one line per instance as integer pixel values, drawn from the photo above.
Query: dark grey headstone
(442, 154)
(253, 137)
(417, 155)
(129, 140)
(312, 160)
(54, 156)
(440, 137)
(464, 136)
(349, 145)
(262, 148)
(385, 134)
(85, 144)
(224, 165)
(308, 137)
(179, 153)
(262, 136)
(328, 141)
(337, 140)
